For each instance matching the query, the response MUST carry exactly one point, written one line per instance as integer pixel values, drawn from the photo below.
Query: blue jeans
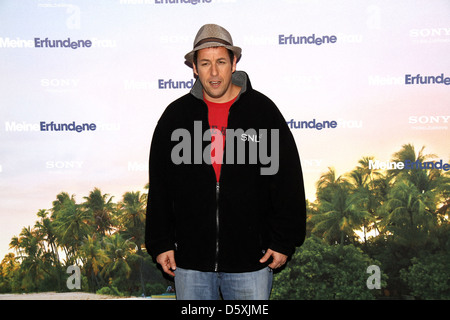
(198, 285)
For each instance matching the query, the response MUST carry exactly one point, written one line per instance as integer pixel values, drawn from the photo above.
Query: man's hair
(230, 53)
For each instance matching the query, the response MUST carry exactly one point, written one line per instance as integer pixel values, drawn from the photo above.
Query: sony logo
(51, 164)
(428, 119)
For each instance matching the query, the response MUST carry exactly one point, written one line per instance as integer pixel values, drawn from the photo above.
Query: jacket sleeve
(159, 227)
(288, 220)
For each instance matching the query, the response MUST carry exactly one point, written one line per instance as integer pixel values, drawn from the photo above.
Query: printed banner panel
(83, 84)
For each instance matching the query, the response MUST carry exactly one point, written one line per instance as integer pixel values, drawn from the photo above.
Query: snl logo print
(243, 147)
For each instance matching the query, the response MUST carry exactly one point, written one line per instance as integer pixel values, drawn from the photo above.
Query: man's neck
(230, 95)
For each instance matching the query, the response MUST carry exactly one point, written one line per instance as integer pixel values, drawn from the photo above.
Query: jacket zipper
(216, 262)
(216, 265)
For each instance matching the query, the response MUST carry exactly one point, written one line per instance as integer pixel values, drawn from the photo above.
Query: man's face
(214, 70)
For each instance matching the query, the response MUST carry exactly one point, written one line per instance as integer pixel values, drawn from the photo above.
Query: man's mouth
(215, 84)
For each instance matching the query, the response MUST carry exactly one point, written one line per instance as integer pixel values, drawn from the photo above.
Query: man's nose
(214, 70)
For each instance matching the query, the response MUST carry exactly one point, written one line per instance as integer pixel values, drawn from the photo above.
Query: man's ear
(233, 67)
(194, 67)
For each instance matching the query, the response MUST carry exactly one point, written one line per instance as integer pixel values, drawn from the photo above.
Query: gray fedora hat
(212, 35)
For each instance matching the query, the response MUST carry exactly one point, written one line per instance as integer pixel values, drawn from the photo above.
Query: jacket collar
(239, 78)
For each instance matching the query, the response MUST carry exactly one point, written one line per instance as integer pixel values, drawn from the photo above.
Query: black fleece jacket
(225, 226)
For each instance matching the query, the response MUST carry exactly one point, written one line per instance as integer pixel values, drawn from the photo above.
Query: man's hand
(167, 262)
(279, 259)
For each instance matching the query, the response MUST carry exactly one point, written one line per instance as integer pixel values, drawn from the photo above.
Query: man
(222, 213)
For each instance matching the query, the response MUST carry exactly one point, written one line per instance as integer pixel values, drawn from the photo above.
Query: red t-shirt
(218, 121)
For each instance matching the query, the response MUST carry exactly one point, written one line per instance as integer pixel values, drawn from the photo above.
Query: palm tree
(424, 180)
(32, 266)
(93, 258)
(337, 219)
(46, 230)
(409, 214)
(365, 183)
(118, 250)
(443, 194)
(72, 225)
(131, 212)
(15, 245)
(328, 184)
(338, 213)
(8, 270)
(419, 192)
(101, 208)
(61, 199)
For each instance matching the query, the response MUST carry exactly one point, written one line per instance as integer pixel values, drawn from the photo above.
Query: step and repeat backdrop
(83, 83)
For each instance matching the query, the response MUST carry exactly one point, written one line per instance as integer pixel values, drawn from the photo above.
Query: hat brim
(190, 56)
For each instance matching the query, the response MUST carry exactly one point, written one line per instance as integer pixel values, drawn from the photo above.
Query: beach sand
(57, 296)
